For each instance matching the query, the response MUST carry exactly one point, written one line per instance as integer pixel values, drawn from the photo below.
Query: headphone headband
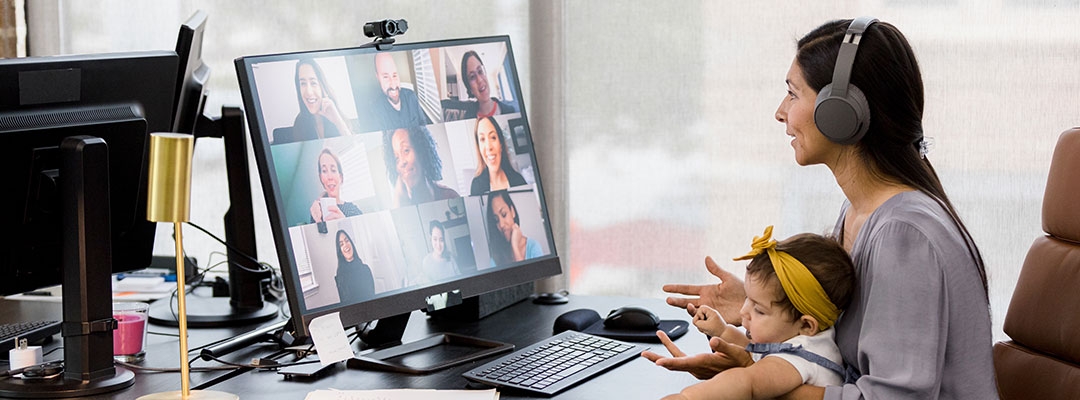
(846, 60)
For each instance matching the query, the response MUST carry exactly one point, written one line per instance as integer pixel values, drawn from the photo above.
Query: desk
(522, 324)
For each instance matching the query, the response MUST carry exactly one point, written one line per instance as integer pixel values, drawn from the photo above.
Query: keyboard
(33, 332)
(555, 364)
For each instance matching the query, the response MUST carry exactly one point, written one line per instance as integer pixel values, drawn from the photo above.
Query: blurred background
(653, 121)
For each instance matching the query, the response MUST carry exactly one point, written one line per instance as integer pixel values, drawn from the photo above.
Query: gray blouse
(918, 326)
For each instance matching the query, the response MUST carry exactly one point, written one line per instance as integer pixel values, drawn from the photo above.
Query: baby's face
(765, 321)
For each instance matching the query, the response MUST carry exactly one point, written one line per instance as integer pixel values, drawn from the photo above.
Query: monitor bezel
(398, 303)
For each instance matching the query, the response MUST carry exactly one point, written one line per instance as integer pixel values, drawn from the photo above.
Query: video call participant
(476, 86)
(332, 177)
(439, 264)
(493, 170)
(398, 107)
(414, 167)
(919, 273)
(354, 279)
(319, 116)
(506, 242)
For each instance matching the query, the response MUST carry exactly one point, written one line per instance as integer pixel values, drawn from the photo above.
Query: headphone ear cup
(843, 120)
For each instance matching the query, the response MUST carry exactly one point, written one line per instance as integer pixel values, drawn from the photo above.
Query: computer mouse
(632, 318)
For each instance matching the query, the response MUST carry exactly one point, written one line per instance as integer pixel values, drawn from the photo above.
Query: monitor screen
(117, 97)
(395, 175)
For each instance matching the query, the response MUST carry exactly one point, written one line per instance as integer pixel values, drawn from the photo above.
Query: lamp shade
(169, 190)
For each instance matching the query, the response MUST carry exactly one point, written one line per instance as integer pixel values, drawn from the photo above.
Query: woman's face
(405, 155)
(476, 77)
(764, 320)
(311, 91)
(329, 175)
(438, 243)
(505, 215)
(797, 112)
(346, 246)
(489, 143)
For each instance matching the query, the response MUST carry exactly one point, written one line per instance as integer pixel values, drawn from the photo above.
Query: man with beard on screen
(398, 107)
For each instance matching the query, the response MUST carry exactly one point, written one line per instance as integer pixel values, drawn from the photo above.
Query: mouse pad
(589, 321)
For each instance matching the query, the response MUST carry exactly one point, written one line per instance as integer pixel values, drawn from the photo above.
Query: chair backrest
(1043, 358)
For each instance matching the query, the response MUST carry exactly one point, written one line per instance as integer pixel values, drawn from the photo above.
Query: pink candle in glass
(128, 336)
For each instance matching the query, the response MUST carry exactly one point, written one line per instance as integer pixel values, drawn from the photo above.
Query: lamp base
(209, 312)
(192, 395)
(60, 387)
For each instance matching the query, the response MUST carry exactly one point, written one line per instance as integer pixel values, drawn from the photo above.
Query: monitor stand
(87, 290)
(430, 354)
(245, 304)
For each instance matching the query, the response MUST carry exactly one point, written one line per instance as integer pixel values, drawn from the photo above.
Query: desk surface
(522, 324)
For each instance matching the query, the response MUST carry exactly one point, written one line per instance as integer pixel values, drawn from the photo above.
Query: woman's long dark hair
(498, 246)
(435, 224)
(341, 257)
(426, 153)
(504, 158)
(319, 75)
(886, 71)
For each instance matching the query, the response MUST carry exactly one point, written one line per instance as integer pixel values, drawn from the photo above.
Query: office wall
(661, 142)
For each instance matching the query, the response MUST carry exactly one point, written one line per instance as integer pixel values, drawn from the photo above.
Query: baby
(795, 291)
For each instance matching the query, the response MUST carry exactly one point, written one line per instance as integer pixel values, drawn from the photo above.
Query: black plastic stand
(87, 292)
(245, 304)
(433, 353)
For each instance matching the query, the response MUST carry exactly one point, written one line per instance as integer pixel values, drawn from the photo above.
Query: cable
(273, 365)
(231, 247)
(51, 351)
(156, 369)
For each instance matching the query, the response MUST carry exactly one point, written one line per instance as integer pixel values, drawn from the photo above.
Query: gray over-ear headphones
(841, 112)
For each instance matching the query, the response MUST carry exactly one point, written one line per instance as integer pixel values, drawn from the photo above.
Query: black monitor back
(118, 97)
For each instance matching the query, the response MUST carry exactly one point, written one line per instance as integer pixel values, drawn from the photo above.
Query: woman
(439, 264)
(476, 86)
(354, 280)
(506, 241)
(493, 170)
(414, 167)
(319, 117)
(919, 322)
(331, 177)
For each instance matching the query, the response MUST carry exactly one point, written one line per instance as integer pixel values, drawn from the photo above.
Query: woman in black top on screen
(354, 280)
(493, 170)
(319, 116)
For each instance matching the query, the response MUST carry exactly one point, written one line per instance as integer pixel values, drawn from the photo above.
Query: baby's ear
(808, 325)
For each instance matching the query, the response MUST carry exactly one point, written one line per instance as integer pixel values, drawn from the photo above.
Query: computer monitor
(379, 188)
(117, 97)
(245, 304)
(192, 76)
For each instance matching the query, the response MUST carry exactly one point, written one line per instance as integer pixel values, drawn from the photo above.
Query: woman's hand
(518, 242)
(316, 211)
(702, 366)
(725, 297)
(333, 212)
(401, 193)
(328, 109)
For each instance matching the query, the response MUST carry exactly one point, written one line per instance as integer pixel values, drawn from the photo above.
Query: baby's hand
(707, 320)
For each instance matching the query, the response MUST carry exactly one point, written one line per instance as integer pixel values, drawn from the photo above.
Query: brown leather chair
(1042, 361)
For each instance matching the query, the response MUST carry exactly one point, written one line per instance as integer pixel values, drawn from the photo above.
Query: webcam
(386, 28)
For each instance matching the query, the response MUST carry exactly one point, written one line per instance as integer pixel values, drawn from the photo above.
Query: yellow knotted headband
(804, 291)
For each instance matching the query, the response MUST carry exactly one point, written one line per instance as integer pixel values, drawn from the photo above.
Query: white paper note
(330, 340)
(402, 394)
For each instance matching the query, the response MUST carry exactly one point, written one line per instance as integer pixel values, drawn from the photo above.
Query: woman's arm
(765, 379)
